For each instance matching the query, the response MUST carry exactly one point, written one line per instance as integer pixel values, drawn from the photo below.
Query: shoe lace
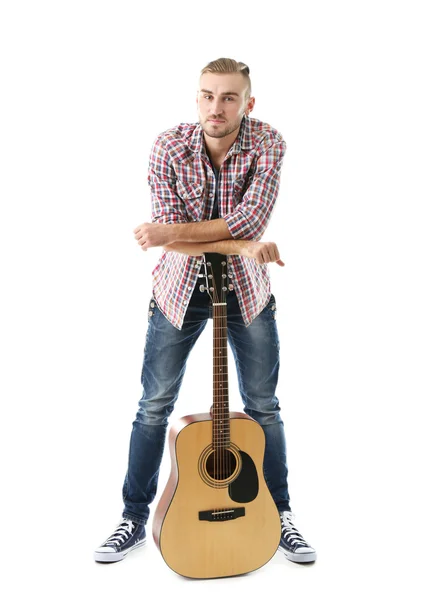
(289, 532)
(121, 534)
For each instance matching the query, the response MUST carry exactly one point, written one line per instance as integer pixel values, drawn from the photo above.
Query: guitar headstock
(216, 277)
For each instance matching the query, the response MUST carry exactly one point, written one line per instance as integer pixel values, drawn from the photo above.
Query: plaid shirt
(182, 186)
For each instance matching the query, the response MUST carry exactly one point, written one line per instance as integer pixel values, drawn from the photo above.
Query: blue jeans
(256, 353)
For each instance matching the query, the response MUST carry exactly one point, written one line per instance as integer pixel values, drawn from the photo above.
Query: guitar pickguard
(246, 486)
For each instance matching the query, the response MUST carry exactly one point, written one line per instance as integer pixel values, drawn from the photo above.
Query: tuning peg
(202, 288)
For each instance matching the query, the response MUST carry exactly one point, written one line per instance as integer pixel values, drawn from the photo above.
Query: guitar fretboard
(221, 421)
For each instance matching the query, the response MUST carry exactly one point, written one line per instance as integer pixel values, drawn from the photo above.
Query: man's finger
(266, 255)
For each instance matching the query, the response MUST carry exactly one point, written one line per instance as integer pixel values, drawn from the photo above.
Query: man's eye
(226, 98)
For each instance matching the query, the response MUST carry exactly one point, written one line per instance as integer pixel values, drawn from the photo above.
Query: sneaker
(127, 536)
(292, 543)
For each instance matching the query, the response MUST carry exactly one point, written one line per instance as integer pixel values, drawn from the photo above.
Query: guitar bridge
(223, 514)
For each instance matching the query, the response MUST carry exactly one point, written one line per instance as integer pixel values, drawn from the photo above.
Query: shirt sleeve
(251, 216)
(167, 206)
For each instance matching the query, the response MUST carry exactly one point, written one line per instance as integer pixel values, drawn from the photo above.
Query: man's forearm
(229, 247)
(262, 252)
(202, 231)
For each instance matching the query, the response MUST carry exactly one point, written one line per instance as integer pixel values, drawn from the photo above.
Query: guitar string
(221, 423)
(215, 401)
(221, 433)
(217, 408)
(223, 415)
(221, 475)
(218, 422)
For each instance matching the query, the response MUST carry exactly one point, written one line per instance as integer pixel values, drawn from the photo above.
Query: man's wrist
(172, 231)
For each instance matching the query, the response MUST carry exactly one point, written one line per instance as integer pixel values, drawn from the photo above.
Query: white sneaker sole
(116, 556)
(299, 558)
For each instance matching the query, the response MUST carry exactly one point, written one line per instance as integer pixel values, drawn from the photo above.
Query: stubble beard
(211, 131)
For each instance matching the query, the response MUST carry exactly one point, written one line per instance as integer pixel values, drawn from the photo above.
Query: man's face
(221, 103)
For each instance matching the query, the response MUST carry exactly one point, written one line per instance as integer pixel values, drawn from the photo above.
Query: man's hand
(149, 235)
(262, 252)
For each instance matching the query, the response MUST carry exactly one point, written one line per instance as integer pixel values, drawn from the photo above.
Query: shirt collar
(243, 141)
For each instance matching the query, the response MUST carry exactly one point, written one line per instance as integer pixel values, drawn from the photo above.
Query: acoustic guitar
(216, 516)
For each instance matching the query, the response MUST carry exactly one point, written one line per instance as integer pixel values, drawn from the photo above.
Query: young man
(214, 185)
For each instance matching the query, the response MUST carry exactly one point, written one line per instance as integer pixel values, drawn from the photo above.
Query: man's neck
(217, 148)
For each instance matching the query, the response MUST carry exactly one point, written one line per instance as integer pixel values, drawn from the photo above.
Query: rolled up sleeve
(250, 217)
(167, 206)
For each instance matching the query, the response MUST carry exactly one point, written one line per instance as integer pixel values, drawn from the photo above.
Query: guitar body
(216, 517)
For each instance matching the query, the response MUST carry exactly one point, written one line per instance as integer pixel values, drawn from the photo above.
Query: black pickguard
(246, 486)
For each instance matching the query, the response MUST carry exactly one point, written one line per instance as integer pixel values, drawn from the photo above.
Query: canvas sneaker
(127, 536)
(292, 543)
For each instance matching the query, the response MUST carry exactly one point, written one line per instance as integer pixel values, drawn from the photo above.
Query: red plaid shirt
(182, 186)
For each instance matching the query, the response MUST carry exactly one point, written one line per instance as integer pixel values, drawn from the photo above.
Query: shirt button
(210, 195)
(185, 302)
(190, 287)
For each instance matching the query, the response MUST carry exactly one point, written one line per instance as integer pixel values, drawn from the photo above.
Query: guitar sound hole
(221, 464)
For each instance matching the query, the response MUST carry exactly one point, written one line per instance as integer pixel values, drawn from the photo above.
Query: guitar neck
(220, 409)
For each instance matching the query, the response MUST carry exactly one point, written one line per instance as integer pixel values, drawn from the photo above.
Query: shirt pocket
(192, 196)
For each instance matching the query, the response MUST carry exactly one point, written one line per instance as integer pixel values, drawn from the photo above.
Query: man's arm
(167, 206)
(169, 219)
(262, 252)
(251, 216)
(150, 235)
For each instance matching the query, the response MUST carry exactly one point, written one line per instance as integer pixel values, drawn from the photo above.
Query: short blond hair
(229, 65)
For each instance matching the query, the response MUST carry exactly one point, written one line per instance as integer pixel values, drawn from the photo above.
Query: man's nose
(216, 107)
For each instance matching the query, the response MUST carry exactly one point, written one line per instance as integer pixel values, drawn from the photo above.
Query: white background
(86, 87)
